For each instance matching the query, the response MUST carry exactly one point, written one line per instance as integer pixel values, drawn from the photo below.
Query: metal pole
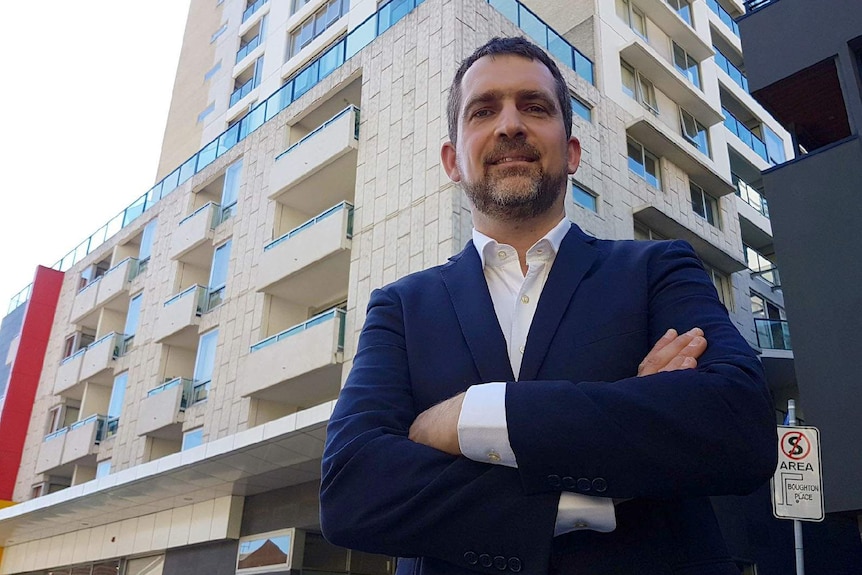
(797, 524)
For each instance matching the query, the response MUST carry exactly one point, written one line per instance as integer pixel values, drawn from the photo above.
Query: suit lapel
(574, 259)
(468, 290)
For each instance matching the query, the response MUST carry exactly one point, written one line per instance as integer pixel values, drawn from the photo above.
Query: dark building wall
(789, 35)
(295, 506)
(816, 208)
(217, 558)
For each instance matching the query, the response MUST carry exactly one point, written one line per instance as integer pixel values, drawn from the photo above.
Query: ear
(573, 153)
(449, 159)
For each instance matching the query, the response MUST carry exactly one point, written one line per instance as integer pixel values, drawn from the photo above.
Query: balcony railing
(335, 313)
(772, 333)
(546, 37)
(245, 50)
(321, 127)
(293, 88)
(751, 196)
(252, 9)
(241, 92)
(201, 297)
(100, 431)
(735, 73)
(744, 134)
(751, 5)
(188, 386)
(761, 267)
(299, 229)
(723, 15)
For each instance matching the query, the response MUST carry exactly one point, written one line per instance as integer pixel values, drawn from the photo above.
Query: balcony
(761, 267)
(69, 375)
(772, 334)
(661, 140)
(241, 92)
(252, 9)
(98, 363)
(670, 81)
(750, 196)
(247, 48)
(311, 263)
(163, 410)
(83, 438)
(735, 73)
(115, 283)
(192, 241)
(84, 306)
(178, 322)
(672, 24)
(51, 451)
(300, 366)
(320, 169)
(724, 16)
(742, 132)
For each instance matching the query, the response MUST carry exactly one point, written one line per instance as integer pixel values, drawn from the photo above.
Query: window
(644, 233)
(38, 490)
(192, 438)
(61, 416)
(581, 109)
(722, 286)
(633, 17)
(204, 363)
(78, 341)
(218, 275)
(212, 71)
(115, 404)
(232, 180)
(583, 198)
(770, 323)
(687, 65)
(270, 551)
(643, 163)
(132, 319)
(314, 25)
(146, 249)
(774, 146)
(703, 204)
(103, 468)
(297, 4)
(683, 8)
(694, 132)
(763, 308)
(218, 33)
(206, 112)
(638, 88)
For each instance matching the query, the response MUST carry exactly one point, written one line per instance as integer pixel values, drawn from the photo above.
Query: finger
(659, 358)
(646, 366)
(680, 362)
(695, 348)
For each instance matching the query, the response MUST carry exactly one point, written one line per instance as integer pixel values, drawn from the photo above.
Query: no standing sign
(797, 490)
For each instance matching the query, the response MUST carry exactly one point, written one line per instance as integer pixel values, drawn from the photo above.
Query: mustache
(509, 148)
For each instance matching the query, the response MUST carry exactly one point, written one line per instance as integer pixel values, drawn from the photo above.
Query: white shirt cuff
(577, 512)
(482, 431)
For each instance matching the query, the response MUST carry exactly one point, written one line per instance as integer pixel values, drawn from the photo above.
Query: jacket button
(514, 565)
(485, 560)
(554, 480)
(471, 558)
(569, 482)
(500, 562)
(600, 485)
(584, 484)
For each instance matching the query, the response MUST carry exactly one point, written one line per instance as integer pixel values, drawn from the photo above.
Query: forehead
(507, 74)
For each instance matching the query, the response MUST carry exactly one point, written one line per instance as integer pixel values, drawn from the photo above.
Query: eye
(481, 113)
(536, 109)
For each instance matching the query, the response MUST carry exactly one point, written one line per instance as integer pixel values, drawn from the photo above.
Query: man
(578, 456)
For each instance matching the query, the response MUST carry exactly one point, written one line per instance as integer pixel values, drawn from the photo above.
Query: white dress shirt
(482, 430)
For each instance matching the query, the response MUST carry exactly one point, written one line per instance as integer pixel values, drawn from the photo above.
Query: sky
(85, 97)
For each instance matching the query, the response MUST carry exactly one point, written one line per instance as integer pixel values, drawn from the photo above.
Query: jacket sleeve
(381, 492)
(706, 431)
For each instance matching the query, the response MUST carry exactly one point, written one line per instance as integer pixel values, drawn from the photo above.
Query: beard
(515, 194)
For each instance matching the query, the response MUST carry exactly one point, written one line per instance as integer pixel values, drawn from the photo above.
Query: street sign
(797, 490)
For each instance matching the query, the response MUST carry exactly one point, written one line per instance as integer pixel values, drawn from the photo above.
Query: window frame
(644, 155)
(633, 11)
(709, 205)
(643, 90)
(583, 191)
(268, 536)
(689, 64)
(701, 139)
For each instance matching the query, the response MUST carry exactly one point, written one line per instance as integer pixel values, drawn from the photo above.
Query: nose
(509, 122)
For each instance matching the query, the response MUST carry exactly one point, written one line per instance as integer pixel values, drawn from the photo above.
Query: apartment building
(202, 335)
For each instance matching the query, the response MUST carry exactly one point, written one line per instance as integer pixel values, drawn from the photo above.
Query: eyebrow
(494, 95)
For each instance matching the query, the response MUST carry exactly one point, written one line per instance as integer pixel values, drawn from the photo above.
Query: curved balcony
(320, 169)
(311, 263)
(301, 366)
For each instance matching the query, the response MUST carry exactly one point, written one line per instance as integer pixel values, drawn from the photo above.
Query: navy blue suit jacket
(578, 418)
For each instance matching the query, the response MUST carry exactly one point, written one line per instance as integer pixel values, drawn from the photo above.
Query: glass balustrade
(249, 12)
(302, 227)
(735, 73)
(772, 333)
(746, 135)
(723, 15)
(335, 313)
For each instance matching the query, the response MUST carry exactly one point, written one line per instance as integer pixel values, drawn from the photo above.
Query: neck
(521, 234)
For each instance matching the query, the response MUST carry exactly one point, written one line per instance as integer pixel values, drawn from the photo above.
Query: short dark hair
(517, 46)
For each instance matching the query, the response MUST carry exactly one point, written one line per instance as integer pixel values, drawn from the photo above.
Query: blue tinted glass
(228, 139)
(534, 27)
(118, 394)
(305, 80)
(207, 154)
(584, 67)
(254, 119)
(187, 170)
(583, 198)
(582, 110)
(169, 184)
(135, 210)
(331, 60)
(361, 36)
(154, 195)
(508, 8)
(560, 49)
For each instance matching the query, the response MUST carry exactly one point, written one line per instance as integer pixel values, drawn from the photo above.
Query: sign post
(797, 490)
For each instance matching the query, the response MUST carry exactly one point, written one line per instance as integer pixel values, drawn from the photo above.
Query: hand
(673, 352)
(437, 426)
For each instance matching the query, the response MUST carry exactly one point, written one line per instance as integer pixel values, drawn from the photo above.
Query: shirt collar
(553, 238)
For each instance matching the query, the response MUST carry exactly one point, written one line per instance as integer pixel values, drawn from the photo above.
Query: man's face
(512, 157)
